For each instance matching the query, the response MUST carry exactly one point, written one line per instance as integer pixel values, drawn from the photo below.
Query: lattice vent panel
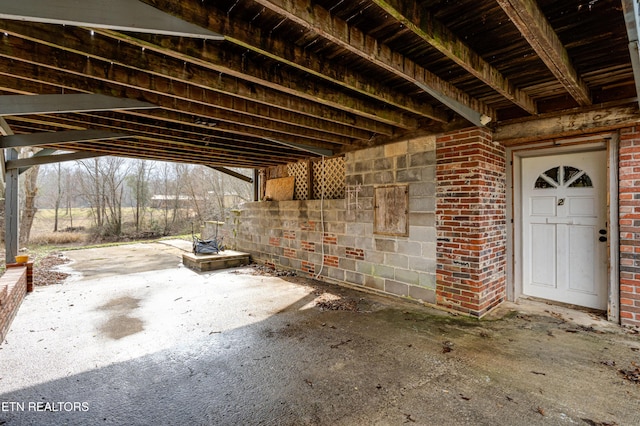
(300, 171)
(333, 178)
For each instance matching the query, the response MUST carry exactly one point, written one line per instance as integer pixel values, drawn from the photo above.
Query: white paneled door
(564, 228)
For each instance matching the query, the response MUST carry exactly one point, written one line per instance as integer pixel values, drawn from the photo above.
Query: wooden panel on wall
(391, 210)
(280, 189)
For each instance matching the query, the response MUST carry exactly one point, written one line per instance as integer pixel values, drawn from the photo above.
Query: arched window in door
(563, 177)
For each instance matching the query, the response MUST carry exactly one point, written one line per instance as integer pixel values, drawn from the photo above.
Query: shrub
(57, 238)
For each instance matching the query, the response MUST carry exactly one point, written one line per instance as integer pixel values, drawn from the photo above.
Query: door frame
(514, 155)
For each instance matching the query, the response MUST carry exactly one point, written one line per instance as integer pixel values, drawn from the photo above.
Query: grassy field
(42, 229)
(81, 220)
(45, 218)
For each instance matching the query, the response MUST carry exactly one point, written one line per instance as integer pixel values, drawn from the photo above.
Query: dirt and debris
(268, 270)
(341, 304)
(337, 345)
(409, 419)
(45, 270)
(632, 375)
(592, 423)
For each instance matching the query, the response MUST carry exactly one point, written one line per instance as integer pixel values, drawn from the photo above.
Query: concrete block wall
(629, 222)
(13, 288)
(335, 238)
(455, 254)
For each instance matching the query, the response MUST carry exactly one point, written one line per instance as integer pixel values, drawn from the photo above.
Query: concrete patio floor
(135, 338)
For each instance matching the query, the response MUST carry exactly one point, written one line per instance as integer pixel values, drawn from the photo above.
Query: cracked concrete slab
(137, 339)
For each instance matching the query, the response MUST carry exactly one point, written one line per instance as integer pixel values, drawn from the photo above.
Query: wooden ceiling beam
(5, 129)
(153, 147)
(233, 173)
(155, 91)
(527, 16)
(229, 123)
(172, 119)
(162, 154)
(201, 153)
(164, 135)
(576, 122)
(418, 20)
(320, 21)
(311, 150)
(215, 58)
(267, 43)
(98, 51)
(225, 119)
(169, 148)
(160, 132)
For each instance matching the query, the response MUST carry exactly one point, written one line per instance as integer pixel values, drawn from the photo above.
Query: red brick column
(471, 221)
(629, 204)
(13, 288)
(29, 266)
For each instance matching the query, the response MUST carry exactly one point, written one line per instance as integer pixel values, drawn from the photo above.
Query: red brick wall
(13, 288)
(629, 202)
(471, 221)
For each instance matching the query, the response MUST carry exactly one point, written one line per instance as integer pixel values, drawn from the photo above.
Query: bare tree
(104, 189)
(138, 183)
(227, 191)
(29, 208)
(58, 198)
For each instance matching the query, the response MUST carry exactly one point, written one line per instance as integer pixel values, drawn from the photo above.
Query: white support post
(256, 185)
(11, 209)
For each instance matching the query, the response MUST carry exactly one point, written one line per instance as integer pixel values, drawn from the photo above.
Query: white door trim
(514, 220)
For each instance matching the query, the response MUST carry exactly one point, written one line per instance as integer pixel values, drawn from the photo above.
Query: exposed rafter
(468, 113)
(127, 68)
(531, 22)
(214, 58)
(233, 174)
(5, 130)
(440, 37)
(309, 149)
(294, 79)
(319, 20)
(210, 120)
(253, 39)
(124, 15)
